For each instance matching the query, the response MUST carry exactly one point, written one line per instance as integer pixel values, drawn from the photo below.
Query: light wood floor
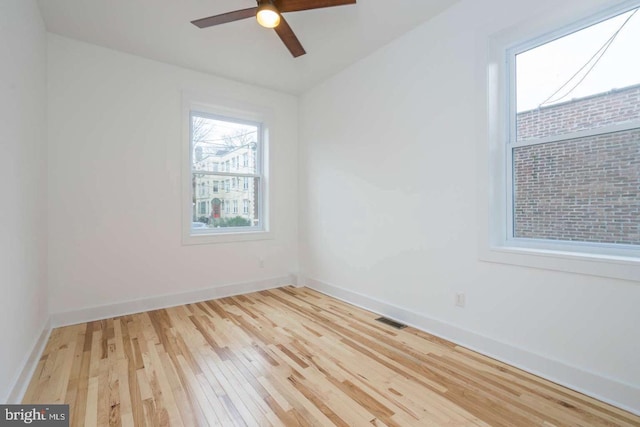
(290, 357)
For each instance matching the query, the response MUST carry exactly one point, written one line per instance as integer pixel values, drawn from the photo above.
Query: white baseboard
(165, 301)
(21, 382)
(614, 392)
(298, 280)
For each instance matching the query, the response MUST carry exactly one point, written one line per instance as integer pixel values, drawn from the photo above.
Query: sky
(220, 133)
(543, 70)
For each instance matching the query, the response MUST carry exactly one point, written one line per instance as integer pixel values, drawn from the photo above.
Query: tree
(240, 137)
(201, 129)
(236, 221)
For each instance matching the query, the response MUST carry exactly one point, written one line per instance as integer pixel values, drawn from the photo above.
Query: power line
(226, 138)
(601, 52)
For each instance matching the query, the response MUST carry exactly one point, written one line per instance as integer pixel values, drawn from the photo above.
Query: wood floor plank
(91, 413)
(290, 357)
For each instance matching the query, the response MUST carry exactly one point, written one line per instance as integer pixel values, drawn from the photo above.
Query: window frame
(511, 143)
(495, 166)
(238, 112)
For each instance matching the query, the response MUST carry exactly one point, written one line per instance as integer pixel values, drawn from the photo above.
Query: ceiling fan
(269, 15)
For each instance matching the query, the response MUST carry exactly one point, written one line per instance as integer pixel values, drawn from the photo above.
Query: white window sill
(610, 266)
(213, 238)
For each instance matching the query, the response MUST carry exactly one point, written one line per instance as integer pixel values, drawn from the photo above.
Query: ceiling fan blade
(225, 17)
(296, 5)
(289, 38)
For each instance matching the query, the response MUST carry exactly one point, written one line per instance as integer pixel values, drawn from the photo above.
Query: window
(245, 160)
(574, 136)
(202, 208)
(564, 132)
(217, 142)
(245, 206)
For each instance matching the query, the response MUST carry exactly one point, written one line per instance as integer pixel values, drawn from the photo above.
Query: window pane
(219, 145)
(235, 207)
(585, 189)
(585, 80)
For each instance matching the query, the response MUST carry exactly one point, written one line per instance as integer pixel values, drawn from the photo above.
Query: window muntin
(573, 157)
(217, 144)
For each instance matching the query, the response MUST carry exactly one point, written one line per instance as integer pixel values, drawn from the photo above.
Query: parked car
(197, 225)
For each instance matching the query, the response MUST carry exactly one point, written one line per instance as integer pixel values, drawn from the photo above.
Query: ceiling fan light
(268, 16)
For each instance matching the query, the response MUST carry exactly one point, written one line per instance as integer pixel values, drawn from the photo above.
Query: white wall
(115, 130)
(23, 150)
(390, 199)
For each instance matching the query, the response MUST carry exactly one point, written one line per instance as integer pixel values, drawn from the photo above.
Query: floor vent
(391, 322)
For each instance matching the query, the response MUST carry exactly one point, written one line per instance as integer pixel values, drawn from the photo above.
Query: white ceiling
(160, 29)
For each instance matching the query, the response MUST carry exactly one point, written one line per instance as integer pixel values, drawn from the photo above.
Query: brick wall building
(584, 189)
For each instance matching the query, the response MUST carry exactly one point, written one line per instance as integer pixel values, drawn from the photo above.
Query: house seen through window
(574, 147)
(217, 144)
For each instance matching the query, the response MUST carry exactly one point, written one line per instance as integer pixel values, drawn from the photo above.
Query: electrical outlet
(460, 299)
